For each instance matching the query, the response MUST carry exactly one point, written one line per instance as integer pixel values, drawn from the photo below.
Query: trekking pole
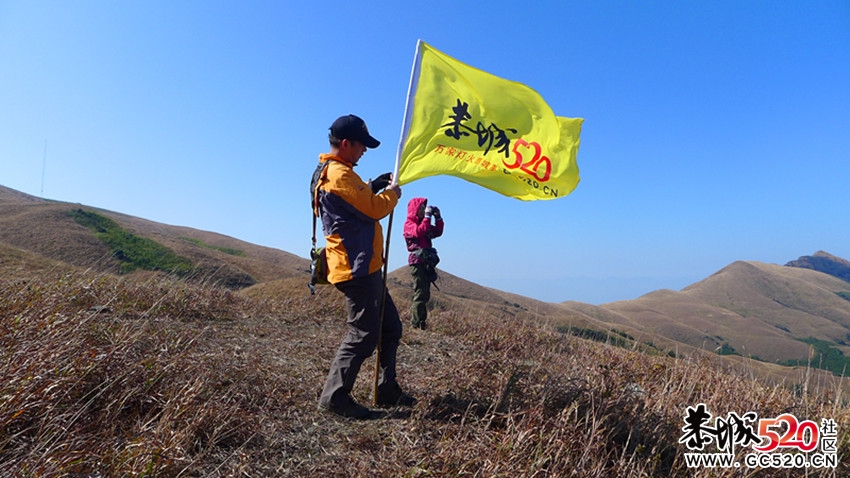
(383, 306)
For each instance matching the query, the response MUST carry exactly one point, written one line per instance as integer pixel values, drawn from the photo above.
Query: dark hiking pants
(363, 301)
(421, 294)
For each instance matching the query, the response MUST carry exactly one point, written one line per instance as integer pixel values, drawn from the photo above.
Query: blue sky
(714, 131)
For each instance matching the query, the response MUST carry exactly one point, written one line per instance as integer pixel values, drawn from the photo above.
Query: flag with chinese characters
(493, 132)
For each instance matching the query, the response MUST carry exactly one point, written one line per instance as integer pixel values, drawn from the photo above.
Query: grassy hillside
(766, 312)
(53, 230)
(824, 262)
(762, 311)
(216, 372)
(132, 251)
(146, 375)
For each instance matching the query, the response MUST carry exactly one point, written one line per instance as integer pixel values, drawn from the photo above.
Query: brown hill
(824, 262)
(192, 379)
(46, 228)
(152, 376)
(750, 308)
(747, 309)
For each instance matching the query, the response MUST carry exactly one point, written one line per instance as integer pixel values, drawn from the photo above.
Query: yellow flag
(493, 132)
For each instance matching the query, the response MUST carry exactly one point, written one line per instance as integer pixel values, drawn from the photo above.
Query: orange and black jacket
(350, 212)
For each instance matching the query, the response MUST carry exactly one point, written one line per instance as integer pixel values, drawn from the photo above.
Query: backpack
(318, 267)
(318, 256)
(428, 255)
(431, 259)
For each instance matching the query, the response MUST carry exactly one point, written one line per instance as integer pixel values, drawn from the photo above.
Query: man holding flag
(459, 121)
(350, 211)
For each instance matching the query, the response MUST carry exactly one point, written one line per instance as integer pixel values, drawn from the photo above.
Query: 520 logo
(781, 442)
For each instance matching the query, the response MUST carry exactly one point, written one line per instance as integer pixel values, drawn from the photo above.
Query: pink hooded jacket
(419, 232)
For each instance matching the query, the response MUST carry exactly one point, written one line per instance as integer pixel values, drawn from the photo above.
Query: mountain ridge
(825, 262)
(47, 228)
(755, 310)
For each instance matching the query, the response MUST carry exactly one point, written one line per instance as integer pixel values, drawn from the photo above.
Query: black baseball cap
(352, 127)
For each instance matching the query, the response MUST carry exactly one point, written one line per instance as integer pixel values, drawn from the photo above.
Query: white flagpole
(408, 107)
(411, 88)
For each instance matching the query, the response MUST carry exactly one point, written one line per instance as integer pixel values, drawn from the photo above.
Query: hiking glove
(380, 182)
(435, 211)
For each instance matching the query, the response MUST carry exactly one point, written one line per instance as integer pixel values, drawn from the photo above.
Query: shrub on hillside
(134, 252)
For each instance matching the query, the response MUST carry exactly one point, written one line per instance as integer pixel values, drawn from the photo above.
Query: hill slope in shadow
(824, 262)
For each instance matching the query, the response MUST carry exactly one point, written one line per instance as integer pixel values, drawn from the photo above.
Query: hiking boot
(391, 395)
(420, 325)
(348, 409)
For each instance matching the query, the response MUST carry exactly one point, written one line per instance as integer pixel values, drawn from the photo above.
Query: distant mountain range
(789, 315)
(765, 311)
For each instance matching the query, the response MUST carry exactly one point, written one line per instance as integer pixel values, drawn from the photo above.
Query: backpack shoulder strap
(315, 182)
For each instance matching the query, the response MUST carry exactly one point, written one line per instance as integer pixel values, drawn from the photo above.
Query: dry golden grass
(145, 375)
